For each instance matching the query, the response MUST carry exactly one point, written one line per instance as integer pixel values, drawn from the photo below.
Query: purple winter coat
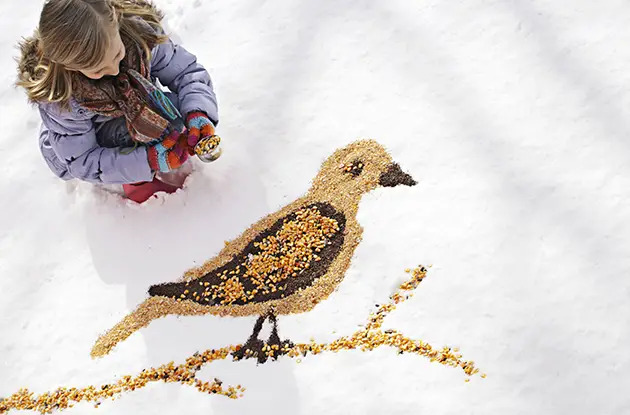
(68, 139)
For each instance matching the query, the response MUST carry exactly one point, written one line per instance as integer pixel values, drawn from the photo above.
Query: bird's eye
(354, 168)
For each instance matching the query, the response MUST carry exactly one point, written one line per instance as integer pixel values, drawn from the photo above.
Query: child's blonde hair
(75, 33)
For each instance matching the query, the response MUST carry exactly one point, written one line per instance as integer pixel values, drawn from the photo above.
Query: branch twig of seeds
(64, 398)
(366, 339)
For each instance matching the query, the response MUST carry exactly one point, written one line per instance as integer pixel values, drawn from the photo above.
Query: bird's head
(356, 169)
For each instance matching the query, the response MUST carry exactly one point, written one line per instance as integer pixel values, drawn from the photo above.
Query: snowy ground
(512, 115)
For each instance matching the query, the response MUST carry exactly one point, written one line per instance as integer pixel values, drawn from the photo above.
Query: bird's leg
(253, 346)
(279, 347)
(256, 348)
(257, 327)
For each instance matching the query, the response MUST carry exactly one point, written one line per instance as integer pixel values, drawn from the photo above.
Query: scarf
(150, 115)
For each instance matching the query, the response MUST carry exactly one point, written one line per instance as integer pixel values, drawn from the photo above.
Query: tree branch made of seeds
(366, 339)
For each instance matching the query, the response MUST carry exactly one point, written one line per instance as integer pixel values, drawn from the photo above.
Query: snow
(510, 114)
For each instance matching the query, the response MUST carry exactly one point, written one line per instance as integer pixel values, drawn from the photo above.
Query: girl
(92, 67)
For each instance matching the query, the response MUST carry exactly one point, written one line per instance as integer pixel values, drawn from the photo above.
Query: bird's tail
(147, 311)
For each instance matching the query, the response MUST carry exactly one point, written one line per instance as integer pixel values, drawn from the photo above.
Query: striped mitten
(169, 154)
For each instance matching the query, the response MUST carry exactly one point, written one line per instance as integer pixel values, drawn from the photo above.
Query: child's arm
(68, 143)
(178, 69)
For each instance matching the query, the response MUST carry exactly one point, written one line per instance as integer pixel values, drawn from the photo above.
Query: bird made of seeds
(285, 263)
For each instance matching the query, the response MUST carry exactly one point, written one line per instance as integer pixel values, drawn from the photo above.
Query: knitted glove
(170, 154)
(199, 127)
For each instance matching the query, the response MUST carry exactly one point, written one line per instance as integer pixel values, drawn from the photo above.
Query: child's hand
(199, 127)
(170, 154)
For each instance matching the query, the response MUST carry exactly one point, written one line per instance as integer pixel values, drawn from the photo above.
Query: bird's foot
(261, 350)
(251, 348)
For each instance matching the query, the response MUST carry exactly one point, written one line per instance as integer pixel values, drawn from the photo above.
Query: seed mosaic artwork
(285, 263)
(370, 337)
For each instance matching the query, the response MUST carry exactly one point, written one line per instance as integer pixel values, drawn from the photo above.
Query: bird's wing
(285, 258)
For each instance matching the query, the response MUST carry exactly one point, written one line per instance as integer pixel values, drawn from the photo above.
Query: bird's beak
(395, 176)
